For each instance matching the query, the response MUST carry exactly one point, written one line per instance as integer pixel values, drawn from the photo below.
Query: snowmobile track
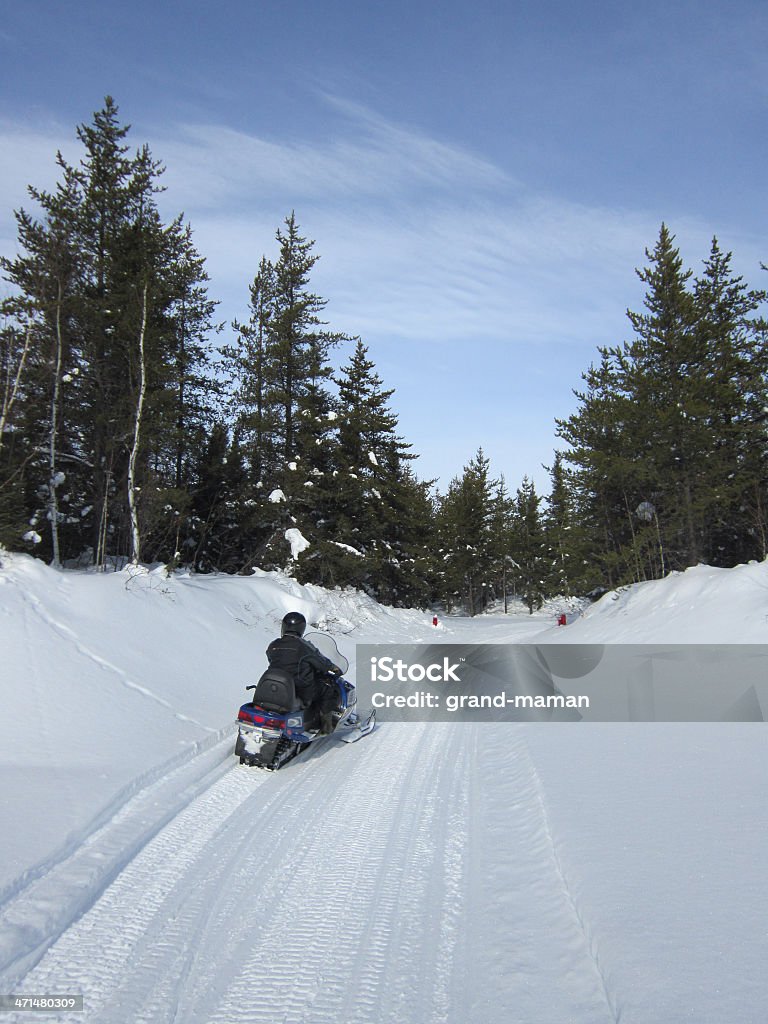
(273, 876)
(553, 974)
(358, 890)
(46, 902)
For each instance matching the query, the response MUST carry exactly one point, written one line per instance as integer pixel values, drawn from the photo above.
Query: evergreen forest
(136, 427)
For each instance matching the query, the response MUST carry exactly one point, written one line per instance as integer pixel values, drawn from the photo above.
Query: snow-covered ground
(445, 872)
(702, 605)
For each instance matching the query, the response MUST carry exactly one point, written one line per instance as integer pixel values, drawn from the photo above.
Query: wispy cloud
(420, 239)
(27, 157)
(365, 159)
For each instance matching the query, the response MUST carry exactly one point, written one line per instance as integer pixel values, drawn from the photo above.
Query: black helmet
(294, 623)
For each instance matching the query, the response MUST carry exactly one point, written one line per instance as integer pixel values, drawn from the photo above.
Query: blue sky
(481, 179)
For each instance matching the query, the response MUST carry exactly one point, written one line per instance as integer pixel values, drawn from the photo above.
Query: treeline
(131, 429)
(665, 462)
(126, 433)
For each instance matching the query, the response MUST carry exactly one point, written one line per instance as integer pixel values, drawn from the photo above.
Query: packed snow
(444, 872)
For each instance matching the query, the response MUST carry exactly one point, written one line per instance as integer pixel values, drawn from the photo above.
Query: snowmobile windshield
(327, 646)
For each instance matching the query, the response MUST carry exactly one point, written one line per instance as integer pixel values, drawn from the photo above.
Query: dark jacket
(305, 663)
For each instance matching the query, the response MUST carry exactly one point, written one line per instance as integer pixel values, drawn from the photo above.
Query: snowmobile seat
(276, 691)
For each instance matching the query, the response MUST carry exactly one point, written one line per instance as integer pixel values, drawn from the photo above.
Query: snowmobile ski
(356, 730)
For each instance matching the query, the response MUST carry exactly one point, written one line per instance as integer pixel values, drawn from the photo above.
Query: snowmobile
(275, 725)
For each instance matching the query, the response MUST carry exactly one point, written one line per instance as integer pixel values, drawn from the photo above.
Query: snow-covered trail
(461, 873)
(360, 884)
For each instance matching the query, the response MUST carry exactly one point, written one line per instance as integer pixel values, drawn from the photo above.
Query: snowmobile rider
(314, 674)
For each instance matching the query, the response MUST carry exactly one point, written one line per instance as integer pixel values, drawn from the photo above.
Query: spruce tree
(610, 476)
(667, 446)
(118, 383)
(733, 388)
(218, 532)
(369, 519)
(502, 529)
(300, 346)
(280, 371)
(465, 523)
(250, 363)
(664, 377)
(46, 279)
(530, 547)
(16, 356)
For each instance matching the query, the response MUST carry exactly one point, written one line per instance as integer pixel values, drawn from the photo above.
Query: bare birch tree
(132, 488)
(14, 350)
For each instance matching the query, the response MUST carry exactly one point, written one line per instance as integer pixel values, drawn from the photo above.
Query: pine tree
(46, 280)
(667, 445)
(664, 377)
(117, 386)
(605, 441)
(530, 547)
(299, 351)
(465, 526)
(733, 387)
(219, 521)
(410, 564)
(16, 344)
(250, 365)
(559, 522)
(368, 520)
(502, 529)
(280, 371)
(192, 391)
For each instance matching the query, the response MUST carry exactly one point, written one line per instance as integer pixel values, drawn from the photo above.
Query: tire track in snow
(589, 939)
(335, 884)
(539, 964)
(48, 901)
(206, 936)
(362, 944)
(93, 955)
(410, 879)
(67, 634)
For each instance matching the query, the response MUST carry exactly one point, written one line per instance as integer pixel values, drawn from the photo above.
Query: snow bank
(701, 605)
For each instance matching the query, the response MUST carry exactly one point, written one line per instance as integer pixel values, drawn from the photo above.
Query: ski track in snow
(572, 912)
(356, 885)
(538, 964)
(68, 634)
(251, 883)
(46, 900)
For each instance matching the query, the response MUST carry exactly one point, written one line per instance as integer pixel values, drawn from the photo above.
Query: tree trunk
(53, 503)
(693, 544)
(760, 525)
(181, 406)
(10, 390)
(661, 544)
(135, 533)
(639, 574)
